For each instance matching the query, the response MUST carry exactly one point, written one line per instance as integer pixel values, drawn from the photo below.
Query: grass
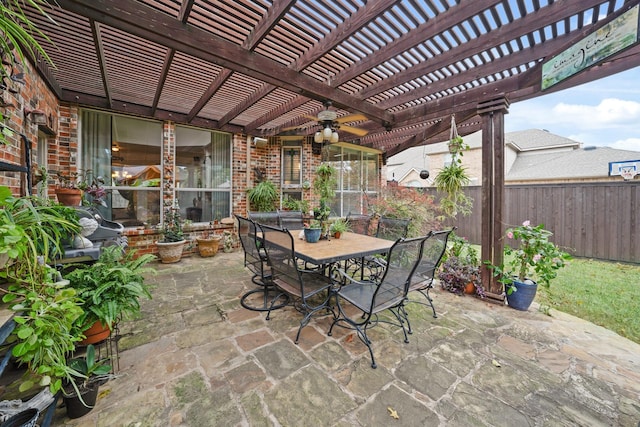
(603, 293)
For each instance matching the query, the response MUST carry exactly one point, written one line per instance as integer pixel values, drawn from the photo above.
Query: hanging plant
(453, 178)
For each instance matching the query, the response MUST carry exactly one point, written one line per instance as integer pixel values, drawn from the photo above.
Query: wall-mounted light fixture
(260, 142)
(38, 117)
(115, 148)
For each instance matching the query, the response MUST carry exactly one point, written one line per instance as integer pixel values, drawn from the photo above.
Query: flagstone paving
(197, 358)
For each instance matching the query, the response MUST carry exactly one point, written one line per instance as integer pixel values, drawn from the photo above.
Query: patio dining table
(326, 253)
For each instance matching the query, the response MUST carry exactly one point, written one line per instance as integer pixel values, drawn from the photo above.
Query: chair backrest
(392, 228)
(359, 223)
(291, 220)
(253, 257)
(402, 260)
(278, 244)
(265, 218)
(433, 249)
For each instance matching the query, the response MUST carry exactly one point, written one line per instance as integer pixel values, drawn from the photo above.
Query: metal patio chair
(309, 289)
(265, 297)
(432, 252)
(392, 228)
(359, 223)
(372, 297)
(265, 218)
(291, 220)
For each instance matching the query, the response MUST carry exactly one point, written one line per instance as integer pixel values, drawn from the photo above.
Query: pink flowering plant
(529, 255)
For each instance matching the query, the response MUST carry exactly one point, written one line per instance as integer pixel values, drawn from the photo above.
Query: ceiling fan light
(334, 137)
(317, 137)
(326, 133)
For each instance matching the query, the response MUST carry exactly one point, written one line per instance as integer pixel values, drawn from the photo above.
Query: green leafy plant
(86, 370)
(292, 204)
(172, 226)
(340, 225)
(324, 186)
(33, 229)
(313, 224)
(451, 180)
(44, 335)
(534, 257)
(111, 288)
(263, 196)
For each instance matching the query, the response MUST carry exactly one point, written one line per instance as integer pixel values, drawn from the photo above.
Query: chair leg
(361, 332)
(426, 295)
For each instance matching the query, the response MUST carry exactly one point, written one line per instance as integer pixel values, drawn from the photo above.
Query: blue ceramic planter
(522, 296)
(312, 235)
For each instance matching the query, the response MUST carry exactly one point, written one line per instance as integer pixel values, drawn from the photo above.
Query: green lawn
(604, 293)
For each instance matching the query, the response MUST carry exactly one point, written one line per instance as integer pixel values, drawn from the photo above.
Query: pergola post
(492, 114)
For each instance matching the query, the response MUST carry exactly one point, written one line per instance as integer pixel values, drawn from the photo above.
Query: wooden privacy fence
(591, 220)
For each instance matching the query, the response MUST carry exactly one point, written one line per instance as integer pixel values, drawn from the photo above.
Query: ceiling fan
(330, 123)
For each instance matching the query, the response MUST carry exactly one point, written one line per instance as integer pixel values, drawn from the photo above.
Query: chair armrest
(349, 280)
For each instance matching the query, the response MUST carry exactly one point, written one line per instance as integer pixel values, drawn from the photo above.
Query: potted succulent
(339, 226)
(534, 260)
(111, 289)
(172, 243)
(86, 375)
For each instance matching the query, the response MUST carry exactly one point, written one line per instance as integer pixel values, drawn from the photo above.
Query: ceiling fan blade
(351, 118)
(315, 119)
(355, 131)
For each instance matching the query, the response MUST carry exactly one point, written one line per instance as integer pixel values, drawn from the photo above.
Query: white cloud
(632, 144)
(610, 112)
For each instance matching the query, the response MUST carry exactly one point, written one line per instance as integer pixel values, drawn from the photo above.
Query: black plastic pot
(76, 408)
(26, 418)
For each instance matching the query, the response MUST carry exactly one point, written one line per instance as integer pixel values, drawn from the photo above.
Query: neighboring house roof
(541, 155)
(590, 162)
(537, 139)
(400, 165)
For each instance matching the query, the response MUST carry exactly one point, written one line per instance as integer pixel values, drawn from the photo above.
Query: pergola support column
(493, 204)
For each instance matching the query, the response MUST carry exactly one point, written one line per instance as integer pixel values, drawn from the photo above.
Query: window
(358, 178)
(203, 174)
(291, 167)
(126, 152)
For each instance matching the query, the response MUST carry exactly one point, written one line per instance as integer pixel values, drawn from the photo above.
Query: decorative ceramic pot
(312, 235)
(522, 295)
(69, 196)
(170, 252)
(209, 247)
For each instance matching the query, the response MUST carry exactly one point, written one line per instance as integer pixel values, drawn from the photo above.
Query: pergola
(265, 68)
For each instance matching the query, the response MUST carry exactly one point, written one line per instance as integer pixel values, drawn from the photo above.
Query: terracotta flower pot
(96, 333)
(209, 247)
(69, 196)
(470, 289)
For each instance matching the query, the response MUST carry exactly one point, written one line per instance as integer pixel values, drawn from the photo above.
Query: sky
(605, 112)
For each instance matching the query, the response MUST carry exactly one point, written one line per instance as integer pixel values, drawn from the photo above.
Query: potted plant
(460, 271)
(339, 226)
(451, 180)
(312, 231)
(76, 188)
(172, 243)
(263, 196)
(458, 276)
(86, 375)
(31, 231)
(111, 289)
(208, 245)
(534, 260)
